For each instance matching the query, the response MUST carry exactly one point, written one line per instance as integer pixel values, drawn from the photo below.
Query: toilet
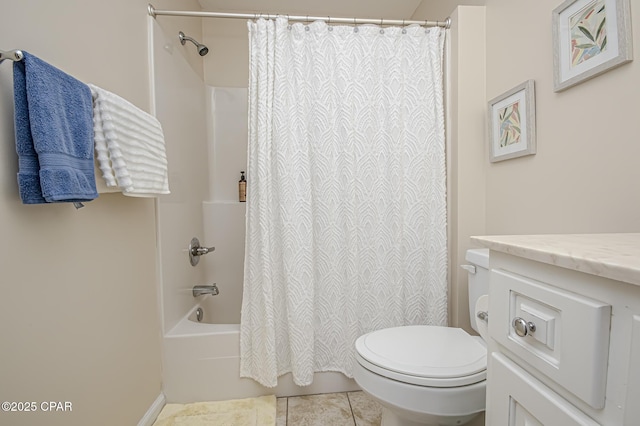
(428, 375)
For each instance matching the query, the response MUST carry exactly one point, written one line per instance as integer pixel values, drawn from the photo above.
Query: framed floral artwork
(590, 37)
(512, 123)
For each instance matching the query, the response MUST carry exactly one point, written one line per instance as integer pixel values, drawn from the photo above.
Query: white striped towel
(129, 146)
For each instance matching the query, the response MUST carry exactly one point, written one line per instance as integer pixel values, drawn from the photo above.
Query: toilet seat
(424, 355)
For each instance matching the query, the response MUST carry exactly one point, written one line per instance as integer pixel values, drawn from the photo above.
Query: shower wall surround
(227, 141)
(180, 107)
(223, 214)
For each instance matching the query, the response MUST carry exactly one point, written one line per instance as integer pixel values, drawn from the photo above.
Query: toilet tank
(478, 270)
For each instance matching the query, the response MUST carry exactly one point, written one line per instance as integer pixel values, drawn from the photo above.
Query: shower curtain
(346, 200)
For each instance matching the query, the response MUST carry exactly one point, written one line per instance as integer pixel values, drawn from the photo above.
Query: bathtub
(201, 362)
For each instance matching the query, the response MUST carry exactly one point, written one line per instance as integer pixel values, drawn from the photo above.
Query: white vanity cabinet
(564, 330)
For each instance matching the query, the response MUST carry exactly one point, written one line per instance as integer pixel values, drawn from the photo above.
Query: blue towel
(54, 134)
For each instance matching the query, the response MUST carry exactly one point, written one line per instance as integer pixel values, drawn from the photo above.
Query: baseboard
(152, 413)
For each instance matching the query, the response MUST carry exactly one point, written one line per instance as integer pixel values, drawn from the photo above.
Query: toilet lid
(424, 355)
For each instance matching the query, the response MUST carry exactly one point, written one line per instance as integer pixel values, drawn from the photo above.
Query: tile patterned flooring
(335, 409)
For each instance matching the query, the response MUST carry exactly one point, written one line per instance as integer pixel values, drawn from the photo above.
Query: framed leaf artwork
(512, 123)
(590, 37)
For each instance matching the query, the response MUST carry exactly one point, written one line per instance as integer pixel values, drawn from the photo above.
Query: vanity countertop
(614, 256)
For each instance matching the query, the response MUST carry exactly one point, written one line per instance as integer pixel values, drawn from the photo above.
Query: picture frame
(512, 123)
(590, 37)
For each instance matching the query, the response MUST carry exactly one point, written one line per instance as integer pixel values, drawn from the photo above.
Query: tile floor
(334, 409)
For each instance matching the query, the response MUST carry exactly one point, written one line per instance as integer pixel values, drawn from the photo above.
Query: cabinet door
(516, 398)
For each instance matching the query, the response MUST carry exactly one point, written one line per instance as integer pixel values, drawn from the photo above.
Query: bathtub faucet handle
(199, 251)
(195, 251)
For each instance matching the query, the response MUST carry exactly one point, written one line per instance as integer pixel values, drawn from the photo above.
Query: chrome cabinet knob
(523, 327)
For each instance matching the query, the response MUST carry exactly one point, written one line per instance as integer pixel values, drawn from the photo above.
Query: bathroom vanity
(564, 329)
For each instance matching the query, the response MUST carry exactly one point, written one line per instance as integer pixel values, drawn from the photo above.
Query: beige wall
(78, 304)
(439, 10)
(585, 175)
(466, 111)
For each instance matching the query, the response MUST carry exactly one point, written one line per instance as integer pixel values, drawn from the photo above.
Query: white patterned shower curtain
(346, 210)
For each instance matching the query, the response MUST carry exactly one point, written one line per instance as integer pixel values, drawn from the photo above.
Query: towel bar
(12, 55)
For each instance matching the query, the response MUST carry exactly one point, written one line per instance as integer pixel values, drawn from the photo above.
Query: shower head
(202, 49)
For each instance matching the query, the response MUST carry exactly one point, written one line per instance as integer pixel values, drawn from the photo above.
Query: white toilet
(428, 375)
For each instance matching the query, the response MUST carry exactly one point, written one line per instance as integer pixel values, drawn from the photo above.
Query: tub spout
(199, 290)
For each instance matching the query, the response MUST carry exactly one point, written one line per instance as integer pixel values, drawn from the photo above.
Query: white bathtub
(202, 363)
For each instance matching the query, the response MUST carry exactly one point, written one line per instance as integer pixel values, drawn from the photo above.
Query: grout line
(353, 416)
(313, 394)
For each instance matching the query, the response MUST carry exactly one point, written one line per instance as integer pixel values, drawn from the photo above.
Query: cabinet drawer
(570, 340)
(518, 399)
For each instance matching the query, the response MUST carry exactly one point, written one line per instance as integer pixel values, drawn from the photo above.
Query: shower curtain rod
(154, 13)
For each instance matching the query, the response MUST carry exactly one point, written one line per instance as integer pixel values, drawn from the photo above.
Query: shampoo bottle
(242, 188)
